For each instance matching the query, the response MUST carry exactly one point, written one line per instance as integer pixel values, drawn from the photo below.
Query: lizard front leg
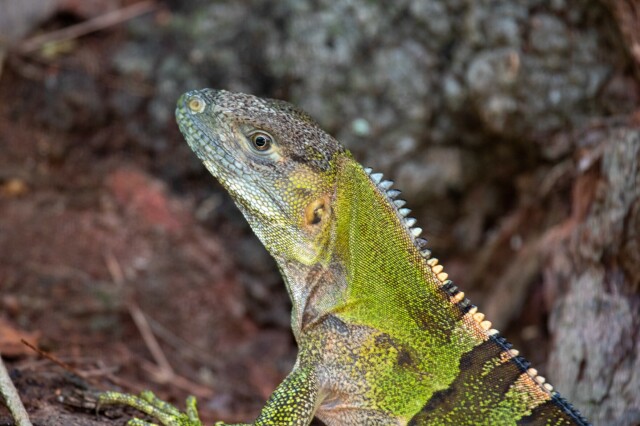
(293, 403)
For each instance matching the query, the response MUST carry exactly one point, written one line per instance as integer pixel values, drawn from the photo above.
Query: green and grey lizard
(384, 337)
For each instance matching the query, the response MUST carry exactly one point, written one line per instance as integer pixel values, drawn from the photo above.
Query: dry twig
(10, 394)
(165, 372)
(53, 359)
(96, 24)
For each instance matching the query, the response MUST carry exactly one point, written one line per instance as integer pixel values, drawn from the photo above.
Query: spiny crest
(448, 286)
(410, 222)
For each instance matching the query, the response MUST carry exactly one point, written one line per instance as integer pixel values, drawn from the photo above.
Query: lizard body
(384, 337)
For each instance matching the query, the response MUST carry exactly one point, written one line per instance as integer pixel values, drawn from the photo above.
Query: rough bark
(592, 278)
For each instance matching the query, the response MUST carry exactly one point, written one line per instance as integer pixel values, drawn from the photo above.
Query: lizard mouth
(206, 139)
(213, 142)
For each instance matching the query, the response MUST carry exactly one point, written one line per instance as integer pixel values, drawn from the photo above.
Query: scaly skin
(384, 337)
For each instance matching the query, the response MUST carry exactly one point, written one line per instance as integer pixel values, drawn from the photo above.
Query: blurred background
(512, 128)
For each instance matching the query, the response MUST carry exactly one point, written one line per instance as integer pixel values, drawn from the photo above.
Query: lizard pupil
(261, 141)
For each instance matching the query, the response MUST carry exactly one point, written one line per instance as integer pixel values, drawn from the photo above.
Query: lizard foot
(148, 403)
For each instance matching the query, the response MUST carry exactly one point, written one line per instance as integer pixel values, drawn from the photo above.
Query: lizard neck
(315, 290)
(318, 288)
(389, 284)
(370, 272)
(369, 269)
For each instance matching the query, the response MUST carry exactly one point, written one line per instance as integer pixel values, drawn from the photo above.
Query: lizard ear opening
(316, 212)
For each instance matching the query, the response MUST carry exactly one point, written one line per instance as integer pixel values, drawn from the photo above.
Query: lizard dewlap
(384, 337)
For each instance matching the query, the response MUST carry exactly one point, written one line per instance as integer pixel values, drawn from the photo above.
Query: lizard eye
(261, 141)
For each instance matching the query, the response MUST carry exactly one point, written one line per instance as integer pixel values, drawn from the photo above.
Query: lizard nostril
(196, 104)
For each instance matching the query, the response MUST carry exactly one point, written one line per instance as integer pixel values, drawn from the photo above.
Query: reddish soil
(89, 237)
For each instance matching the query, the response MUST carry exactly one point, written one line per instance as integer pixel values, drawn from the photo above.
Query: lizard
(384, 336)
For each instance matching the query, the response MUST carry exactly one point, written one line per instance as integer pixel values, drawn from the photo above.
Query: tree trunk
(592, 279)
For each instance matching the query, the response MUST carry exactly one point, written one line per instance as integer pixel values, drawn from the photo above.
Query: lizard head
(275, 161)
